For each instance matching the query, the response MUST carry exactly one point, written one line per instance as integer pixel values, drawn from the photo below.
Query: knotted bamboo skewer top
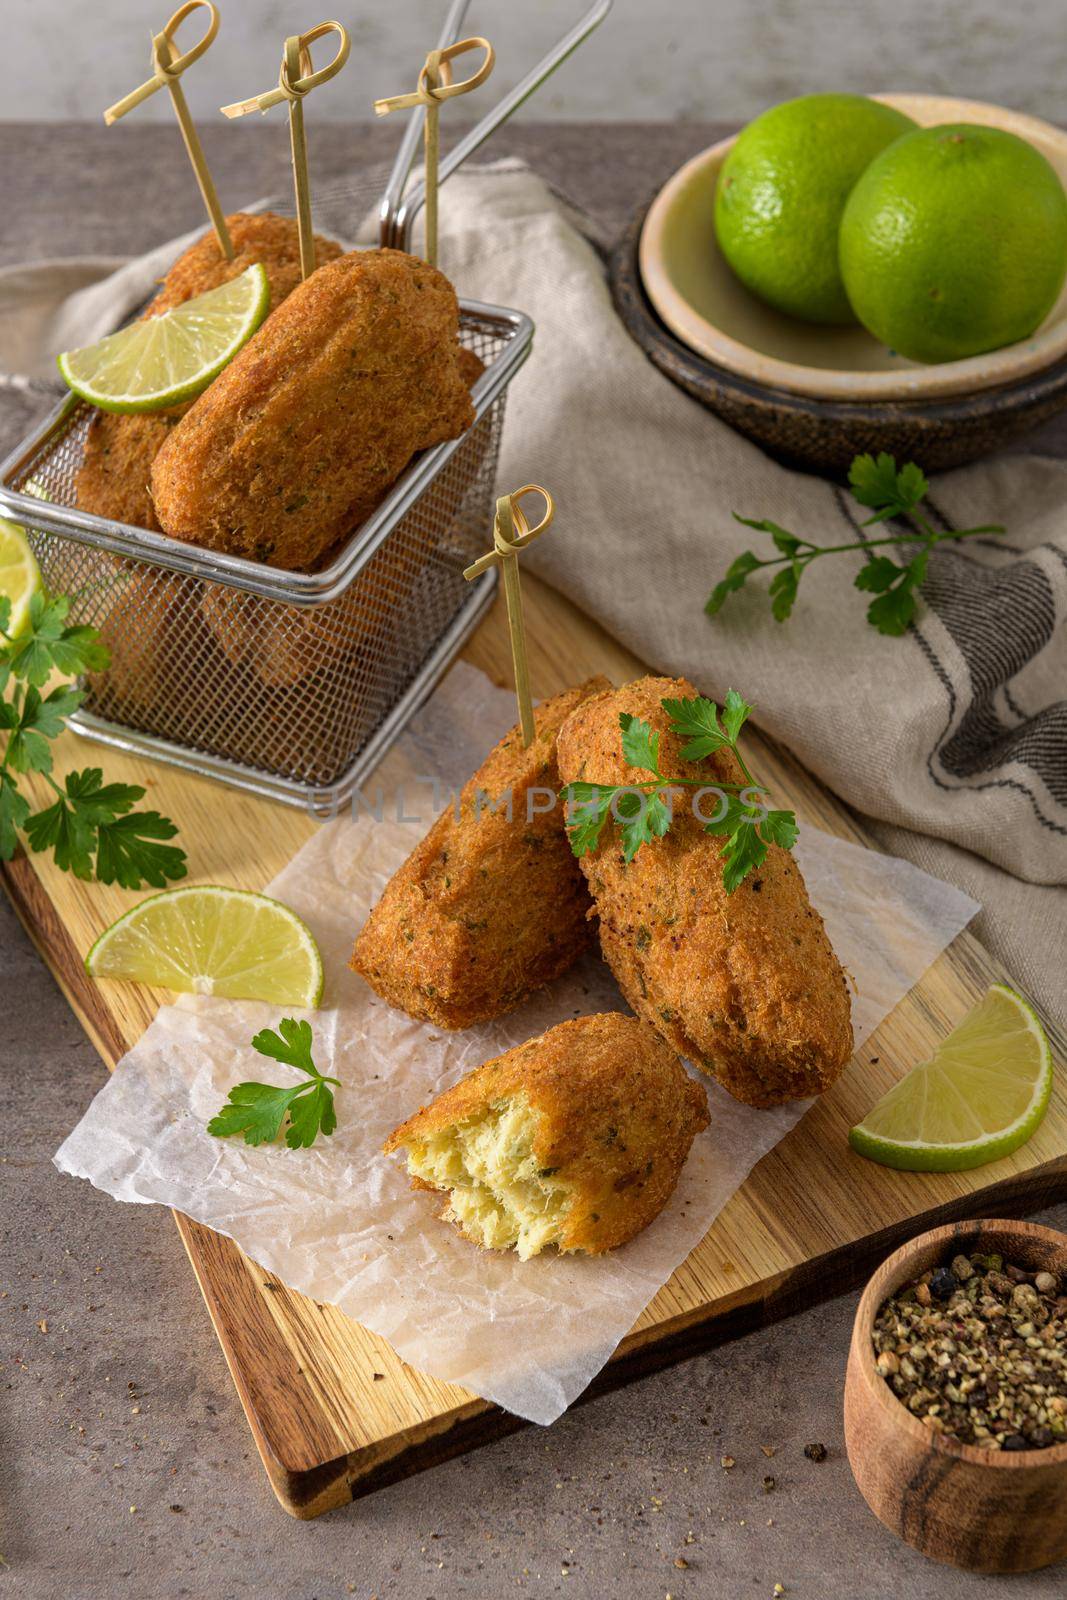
(167, 70)
(296, 79)
(434, 85)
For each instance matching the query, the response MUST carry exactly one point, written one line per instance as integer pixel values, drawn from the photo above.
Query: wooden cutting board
(334, 1412)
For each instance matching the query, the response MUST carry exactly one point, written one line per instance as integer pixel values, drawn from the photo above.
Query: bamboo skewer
(296, 79)
(507, 543)
(435, 84)
(166, 74)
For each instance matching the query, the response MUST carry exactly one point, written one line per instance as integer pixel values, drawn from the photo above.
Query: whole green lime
(954, 241)
(782, 190)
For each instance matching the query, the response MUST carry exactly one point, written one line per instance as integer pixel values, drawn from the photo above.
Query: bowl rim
(895, 1270)
(967, 376)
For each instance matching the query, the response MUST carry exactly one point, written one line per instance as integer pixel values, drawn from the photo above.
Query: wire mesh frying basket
(287, 684)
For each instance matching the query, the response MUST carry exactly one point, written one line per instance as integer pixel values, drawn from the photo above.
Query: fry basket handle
(397, 213)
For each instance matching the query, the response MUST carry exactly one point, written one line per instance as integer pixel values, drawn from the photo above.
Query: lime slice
(979, 1097)
(20, 579)
(208, 940)
(161, 361)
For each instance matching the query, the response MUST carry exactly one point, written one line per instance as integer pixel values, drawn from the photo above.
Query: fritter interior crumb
(574, 1140)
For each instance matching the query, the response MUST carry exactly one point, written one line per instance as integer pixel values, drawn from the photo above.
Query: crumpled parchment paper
(338, 1222)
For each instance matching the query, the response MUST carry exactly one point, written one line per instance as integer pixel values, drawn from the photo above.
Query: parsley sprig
(258, 1109)
(644, 810)
(888, 491)
(91, 826)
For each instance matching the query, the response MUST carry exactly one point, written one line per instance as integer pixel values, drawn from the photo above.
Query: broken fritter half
(574, 1140)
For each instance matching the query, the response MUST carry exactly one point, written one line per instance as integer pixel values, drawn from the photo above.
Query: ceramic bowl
(697, 296)
(987, 1511)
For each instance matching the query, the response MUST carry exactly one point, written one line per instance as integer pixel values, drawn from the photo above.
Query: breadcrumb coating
(746, 985)
(575, 1139)
(488, 907)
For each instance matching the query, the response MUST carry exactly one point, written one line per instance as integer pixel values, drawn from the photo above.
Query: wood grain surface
(333, 1410)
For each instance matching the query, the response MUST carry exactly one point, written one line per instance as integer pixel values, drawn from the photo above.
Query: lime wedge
(979, 1097)
(209, 940)
(161, 361)
(20, 579)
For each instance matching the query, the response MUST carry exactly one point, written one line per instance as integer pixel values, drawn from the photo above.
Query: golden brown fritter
(302, 434)
(257, 236)
(114, 477)
(575, 1139)
(487, 908)
(282, 645)
(746, 985)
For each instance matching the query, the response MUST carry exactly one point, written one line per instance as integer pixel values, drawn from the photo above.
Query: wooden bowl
(697, 296)
(824, 435)
(985, 1511)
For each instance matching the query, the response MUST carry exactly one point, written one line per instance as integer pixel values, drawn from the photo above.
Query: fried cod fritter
(282, 645)
(113, 480)
(747, 985)
(261, 236)
(575, 1139)
(306, 429)
(490, 906)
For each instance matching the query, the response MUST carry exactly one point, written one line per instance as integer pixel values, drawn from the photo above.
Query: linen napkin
(951, 741)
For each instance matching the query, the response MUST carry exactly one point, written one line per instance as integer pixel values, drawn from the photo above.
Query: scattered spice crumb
(681, 1562)
(815, 1452)
(769, 1483)
(42, 1326)
(728, 1462)
(768, 1449)
(176, 1508)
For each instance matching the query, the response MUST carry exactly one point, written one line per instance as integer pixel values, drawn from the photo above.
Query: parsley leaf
(744, 851)
(698, 721)
(783, 592)
(736, 573)
(35, 722)
(65, 831)
(48, 645)
(878, 573)
(587, 807)
(13, 813)
(640, 746)
(641, 818)
(645, 811)
(258, 1110)
(735, 713)
(90, 826)
(780, 828)
(89, 815)
(888, 491)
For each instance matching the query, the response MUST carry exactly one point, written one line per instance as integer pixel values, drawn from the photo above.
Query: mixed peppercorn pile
(978, 1350)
